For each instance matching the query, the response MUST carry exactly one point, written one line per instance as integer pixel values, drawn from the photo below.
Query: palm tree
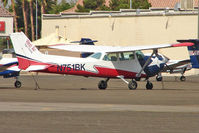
(25, 17)
(5, 2)
(31, 20)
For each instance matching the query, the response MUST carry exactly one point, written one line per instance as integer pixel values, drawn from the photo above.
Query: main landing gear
(17, 83)
(102, 85)
(132, 85)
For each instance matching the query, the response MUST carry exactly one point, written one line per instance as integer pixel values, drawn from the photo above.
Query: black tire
(182, 78)
(138, 78)
(132, 85)
(102, 85)
(17, 84)
(149, 85)
(159, 78)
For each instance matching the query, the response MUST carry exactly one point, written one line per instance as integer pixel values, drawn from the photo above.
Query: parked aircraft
(193, 51)
(172, 66)
(107, 61)
(175, 66)
(9, 66)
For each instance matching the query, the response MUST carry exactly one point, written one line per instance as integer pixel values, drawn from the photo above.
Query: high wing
(113, 49)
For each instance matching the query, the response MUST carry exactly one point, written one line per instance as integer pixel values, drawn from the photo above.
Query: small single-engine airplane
(9, 66)
(172, 66)
(175, 66)
(106, 62)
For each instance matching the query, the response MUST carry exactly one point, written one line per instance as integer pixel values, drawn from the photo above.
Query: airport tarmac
(74, 104)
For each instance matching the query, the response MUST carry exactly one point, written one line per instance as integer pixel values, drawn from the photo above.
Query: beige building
(127, 28)
(6, 22)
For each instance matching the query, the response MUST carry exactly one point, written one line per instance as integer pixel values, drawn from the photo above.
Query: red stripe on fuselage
(25, 63)
(102, 72)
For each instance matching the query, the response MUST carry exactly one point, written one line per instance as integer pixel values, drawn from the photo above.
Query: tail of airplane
(193, 52)
(26, 52)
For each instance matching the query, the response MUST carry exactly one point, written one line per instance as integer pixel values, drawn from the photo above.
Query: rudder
(26, 52)
(193, 52)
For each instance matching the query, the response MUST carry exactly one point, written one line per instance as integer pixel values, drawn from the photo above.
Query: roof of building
(5, 13)
(167, 3)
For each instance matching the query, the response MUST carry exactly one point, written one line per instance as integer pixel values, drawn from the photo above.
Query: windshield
(139, 55)
(96, 55)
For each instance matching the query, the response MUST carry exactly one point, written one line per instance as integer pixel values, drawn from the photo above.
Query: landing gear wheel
(149, 85)
(159, 78)
(132, 85)
(17, 84)
(182, 78)
(102, 85)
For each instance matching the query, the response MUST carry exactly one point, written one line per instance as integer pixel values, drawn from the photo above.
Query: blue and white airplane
(9, 66)
(193, 51)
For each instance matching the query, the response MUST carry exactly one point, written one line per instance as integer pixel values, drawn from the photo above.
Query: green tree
(125, 4)
(24, 9)
(91, 5)
(32, 19)
(57, 8)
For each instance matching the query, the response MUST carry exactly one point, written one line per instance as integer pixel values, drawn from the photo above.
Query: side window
(110, 57)
(127, 56)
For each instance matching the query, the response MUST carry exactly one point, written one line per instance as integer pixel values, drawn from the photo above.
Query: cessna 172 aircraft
(172, 66)
(106, 62)
(9, 67)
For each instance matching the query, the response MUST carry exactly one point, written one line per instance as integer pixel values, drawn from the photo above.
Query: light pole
(130, 4)
(36, 21)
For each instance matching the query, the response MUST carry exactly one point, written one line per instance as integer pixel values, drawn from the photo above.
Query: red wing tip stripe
(183, 44)
(56, 45)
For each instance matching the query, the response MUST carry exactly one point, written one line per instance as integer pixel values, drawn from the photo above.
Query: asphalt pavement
(74, 104)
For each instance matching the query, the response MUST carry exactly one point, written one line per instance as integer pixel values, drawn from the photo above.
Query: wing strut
(155, 51)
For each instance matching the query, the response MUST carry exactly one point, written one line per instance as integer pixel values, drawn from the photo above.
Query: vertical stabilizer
(193, 52)
(26, 52)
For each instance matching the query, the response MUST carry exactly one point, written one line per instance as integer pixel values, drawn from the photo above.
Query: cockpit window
(139, 55)
(126, 56)
(110, 57)
(96, 55)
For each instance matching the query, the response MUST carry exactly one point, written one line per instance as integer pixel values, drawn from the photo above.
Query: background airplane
(106, 62)
(9, 66)
(175, 66)
(193, 51)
